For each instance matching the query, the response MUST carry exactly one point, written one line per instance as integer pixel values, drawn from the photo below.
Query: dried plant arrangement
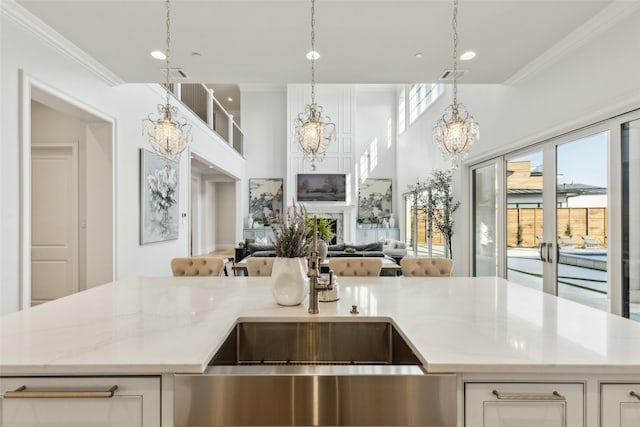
(291, 235)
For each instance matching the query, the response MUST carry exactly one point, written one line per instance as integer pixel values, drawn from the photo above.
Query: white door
(54, 221)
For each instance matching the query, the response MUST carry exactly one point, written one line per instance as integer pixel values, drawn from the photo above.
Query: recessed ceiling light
(312, 54)
(229, 99)
(467, 55)
(159, 55)
(210, 167)
(195, 54)
(418, 55)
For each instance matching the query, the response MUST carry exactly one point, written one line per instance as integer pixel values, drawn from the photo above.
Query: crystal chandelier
(314, 132)
(457, 130)
(168, 133)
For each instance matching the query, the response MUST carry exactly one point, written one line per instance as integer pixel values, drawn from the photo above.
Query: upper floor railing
(200, 99)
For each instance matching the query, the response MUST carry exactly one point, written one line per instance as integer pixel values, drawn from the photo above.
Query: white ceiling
(360, 41)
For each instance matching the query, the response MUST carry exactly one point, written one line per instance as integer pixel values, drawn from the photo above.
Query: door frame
(30, 86)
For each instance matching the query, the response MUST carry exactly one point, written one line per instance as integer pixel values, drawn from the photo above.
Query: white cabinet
(620, 405)
(369, 235)
(524, 404)
(79, 401)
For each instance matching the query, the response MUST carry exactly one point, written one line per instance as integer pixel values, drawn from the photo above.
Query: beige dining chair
(259, 266)
(421, 267)
(197, 266)
(356, 266)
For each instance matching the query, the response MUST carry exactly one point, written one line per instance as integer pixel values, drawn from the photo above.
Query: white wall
(591, 81)
(76, 78)
(264, 113)
(211, 201)
(365, 121)
(99, 210)
(376, 136)
(225, 235)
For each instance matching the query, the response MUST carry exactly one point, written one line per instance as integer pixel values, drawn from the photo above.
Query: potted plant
(443, 206)
(360, 220)
(325, 234)
(291, 242)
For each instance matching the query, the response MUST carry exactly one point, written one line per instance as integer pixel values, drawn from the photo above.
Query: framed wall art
(375, 200)
(159, 185)
(265, 199)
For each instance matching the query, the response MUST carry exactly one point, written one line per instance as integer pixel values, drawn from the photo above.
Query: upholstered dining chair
(356, 266)
(197, 266)
(259, 266)
(433, 267)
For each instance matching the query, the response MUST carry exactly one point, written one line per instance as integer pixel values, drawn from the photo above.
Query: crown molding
(598, 24)
(22, 17)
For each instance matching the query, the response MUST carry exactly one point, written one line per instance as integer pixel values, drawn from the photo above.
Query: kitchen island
(486, 331)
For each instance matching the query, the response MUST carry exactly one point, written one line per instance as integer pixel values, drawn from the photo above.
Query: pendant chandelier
(314, 132)
(168, 133)
(457, 130)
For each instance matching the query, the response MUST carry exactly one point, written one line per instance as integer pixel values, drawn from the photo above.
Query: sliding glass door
(485, 220)
(582, 218)
(563, 216)
(525, 250)
(557, 218)
(631, 220)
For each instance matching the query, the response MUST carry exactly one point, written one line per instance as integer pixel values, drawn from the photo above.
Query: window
(402, 111)
(421, 96)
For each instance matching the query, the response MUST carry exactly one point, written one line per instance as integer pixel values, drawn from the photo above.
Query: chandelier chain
(168, 53)
(456, 131)
(167, 132)
(454, 24)
(314, 131)
(313, 52)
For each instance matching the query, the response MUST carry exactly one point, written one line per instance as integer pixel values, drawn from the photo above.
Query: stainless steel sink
(315, 374)
(308, 343)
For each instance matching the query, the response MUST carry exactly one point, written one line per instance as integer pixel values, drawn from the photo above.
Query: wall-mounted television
(321, 187)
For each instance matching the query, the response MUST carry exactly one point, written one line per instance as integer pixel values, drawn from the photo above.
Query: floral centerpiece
(291, 242)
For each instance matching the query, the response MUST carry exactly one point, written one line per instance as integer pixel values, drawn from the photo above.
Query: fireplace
(337, 224)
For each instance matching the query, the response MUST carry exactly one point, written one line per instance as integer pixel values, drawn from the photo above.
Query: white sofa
(395, 249)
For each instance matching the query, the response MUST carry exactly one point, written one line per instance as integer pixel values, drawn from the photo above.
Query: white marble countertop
(164, 325)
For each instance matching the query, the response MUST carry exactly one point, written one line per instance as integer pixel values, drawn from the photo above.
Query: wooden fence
(437, 237)
(524, 225)
(574, 222)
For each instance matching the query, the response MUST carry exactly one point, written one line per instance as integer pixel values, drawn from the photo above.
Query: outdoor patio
(580, 284)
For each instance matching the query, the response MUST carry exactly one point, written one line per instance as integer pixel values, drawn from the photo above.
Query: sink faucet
(314, 272)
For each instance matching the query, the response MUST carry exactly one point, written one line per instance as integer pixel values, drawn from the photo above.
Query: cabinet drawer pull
(529, 396)
(22, 392)
(634, 394)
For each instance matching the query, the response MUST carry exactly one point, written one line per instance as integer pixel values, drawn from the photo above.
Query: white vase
(323, 248)
(290, 283)
(392, 222)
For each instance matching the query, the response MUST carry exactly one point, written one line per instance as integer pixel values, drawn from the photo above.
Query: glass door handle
(542, 245)
(549, 248)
